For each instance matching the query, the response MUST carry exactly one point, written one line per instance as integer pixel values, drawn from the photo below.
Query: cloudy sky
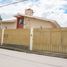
(51, 9)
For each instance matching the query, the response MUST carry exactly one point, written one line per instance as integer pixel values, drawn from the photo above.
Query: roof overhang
(40, 18)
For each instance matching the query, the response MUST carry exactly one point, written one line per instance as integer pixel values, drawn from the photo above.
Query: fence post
(2, 36)
(31, 39)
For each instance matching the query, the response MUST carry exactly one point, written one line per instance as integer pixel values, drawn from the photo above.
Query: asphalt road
(10, 58)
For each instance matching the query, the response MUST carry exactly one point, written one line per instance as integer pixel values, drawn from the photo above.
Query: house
(8, 24)
(30, 21)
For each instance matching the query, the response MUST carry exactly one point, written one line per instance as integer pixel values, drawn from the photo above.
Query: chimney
(29, 12)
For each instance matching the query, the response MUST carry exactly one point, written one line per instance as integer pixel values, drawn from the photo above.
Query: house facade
(29, 21)
(8, 24)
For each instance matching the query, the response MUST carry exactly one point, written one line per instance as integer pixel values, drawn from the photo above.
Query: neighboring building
(8, 24)
(29, 21)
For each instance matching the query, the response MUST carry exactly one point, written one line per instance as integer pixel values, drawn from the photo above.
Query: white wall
(8, 25)
(36, 23)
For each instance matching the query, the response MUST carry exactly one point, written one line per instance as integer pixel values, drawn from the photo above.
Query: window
(21, 21)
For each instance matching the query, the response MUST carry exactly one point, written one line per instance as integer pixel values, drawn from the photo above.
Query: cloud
(52, 9)
(55, 9)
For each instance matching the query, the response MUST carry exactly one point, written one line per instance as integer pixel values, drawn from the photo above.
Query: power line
(12, 3)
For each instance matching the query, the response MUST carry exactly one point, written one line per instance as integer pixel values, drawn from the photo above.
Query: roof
(41, 18)
(10, 21)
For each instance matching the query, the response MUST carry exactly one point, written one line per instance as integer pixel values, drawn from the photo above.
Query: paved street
(10, 58)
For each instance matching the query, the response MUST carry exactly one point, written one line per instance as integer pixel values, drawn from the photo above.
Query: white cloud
(52, 9)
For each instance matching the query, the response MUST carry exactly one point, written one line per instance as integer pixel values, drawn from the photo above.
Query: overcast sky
(52, 9)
